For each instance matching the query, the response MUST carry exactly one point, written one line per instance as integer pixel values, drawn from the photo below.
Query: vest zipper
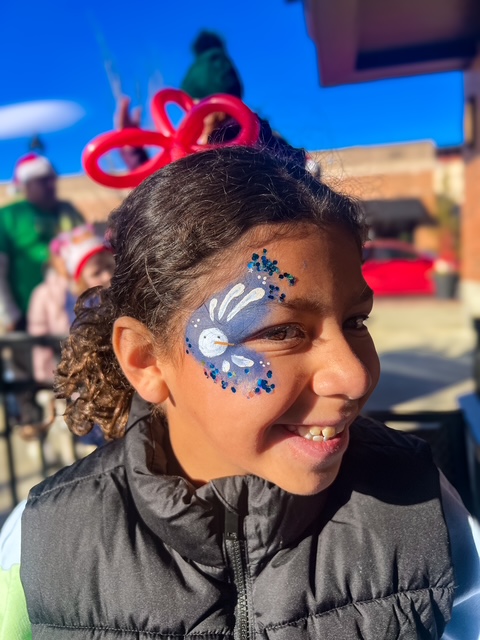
(235, 548)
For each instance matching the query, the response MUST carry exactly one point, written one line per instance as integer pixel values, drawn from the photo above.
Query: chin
(308, 485)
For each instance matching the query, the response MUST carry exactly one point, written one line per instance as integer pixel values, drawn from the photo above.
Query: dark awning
(362, 40)
(405, 210)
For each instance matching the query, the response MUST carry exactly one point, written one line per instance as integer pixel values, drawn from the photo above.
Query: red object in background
(394, 268)
(174, 143)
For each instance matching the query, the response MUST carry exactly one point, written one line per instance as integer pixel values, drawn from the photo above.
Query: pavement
(425, 347)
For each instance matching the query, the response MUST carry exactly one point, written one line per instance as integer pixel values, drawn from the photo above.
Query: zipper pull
(232, 525)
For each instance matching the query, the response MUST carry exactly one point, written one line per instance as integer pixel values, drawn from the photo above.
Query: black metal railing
(11, 387)
(447, 434)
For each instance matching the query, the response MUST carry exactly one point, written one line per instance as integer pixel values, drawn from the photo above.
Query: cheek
(368, 355)
(104, 278)
(233, 368)
(90, 281)
(208, 403)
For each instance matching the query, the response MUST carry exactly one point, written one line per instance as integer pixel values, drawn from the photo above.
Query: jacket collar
(191, 520)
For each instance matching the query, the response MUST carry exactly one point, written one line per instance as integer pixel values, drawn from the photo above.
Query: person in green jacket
(27, 226)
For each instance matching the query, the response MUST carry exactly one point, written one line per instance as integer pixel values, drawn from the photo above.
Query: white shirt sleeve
(10, 538)
(464, 533)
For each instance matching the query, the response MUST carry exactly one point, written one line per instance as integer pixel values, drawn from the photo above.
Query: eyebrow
(317, 306)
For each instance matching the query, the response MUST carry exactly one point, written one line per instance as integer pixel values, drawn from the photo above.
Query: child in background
(79, 260)
(244, 496)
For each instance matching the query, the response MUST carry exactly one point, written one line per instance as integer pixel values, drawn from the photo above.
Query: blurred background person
(79, 260)
(27, 226)
(211, 72)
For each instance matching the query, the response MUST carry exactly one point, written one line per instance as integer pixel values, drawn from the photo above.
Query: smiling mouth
(315, 433)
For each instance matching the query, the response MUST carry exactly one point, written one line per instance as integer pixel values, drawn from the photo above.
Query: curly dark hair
(165, 236)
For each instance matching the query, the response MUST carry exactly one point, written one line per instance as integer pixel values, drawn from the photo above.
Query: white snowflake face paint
(216, 330)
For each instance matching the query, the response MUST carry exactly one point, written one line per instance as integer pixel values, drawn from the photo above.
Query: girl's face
(276, 364)
(98, 270)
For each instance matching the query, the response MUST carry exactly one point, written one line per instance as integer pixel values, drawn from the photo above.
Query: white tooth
(329, 433)
(303, 431)
(317, 434)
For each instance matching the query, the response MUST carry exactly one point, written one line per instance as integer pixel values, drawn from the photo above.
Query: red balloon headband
(176, 143)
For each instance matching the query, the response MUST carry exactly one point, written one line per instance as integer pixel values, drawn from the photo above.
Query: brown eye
(289, 332)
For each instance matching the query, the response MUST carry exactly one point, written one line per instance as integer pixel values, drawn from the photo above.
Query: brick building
(400, 186)
(364, 40)
(93, 200)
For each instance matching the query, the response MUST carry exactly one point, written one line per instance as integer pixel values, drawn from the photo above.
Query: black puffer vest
(112, 548)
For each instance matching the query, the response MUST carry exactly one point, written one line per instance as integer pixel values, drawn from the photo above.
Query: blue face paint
(215, 331)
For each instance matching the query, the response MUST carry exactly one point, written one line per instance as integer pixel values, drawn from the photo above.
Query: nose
(104, 278)
(345, 367)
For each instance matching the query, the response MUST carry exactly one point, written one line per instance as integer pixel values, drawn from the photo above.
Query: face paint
(216, 331)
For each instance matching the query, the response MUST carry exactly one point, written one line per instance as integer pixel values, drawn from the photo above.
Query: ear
(134, 349)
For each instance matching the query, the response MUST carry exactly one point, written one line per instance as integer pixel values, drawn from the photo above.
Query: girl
(79, 260)
(243, 496)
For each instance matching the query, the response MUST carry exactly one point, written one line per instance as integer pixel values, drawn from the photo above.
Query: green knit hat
(212, 71)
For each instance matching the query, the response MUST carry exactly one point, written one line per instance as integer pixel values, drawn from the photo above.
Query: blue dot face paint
(216, 331)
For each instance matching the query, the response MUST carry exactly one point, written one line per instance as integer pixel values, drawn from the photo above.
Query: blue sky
(56, 50)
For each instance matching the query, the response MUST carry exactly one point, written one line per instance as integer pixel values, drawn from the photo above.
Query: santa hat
(31, 166)
(76, 247)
